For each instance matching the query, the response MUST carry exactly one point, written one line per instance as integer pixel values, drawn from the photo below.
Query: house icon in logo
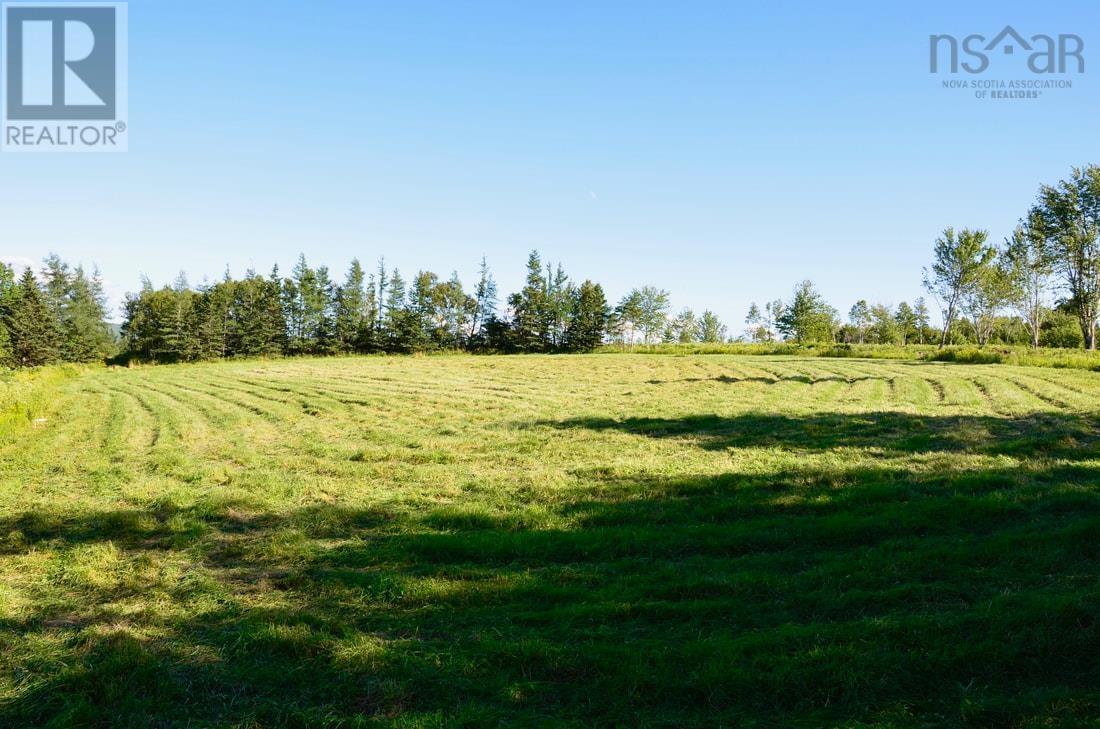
(1044, 54)
(1008, 49)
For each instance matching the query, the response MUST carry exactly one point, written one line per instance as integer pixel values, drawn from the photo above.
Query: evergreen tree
(32, 328)
(8, 287)
(558, 304)
(485, 300)
(588, 318)
(529, 307)
(7, 295)
(257, 327)
(76, 305)
(7, 358)
(85, 337)
(181, 338)
(398, 328)
(302, 305)
(56, 284)
(322, 312)
(367, 338)
(274, 329)
(422, 330)
(351, 299)
(383, 282)
(497, 335)
(211, 322)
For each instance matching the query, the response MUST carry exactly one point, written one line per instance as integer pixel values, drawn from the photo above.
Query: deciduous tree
(958, 263)
(1069, 212)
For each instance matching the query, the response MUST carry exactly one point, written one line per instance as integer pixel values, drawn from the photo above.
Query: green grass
(588, 540)
(968, 354)
(27, 396)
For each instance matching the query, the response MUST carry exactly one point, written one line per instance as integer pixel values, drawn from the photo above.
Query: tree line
(60, 315)
(1040, 286)
(308, 312)
(60, 318)
(985, 294)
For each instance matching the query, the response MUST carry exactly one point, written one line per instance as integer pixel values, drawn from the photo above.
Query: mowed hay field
(606, 540)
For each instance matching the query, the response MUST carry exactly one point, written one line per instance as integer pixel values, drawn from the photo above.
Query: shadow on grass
(774, 379)
(883, 595)
(1040, 434)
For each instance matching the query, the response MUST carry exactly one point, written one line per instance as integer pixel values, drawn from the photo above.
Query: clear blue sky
(720, 150)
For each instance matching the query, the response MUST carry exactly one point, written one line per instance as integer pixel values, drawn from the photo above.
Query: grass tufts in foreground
(600, 540)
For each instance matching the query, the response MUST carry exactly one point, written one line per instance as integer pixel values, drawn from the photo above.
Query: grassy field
(606, 540)
(966, 354)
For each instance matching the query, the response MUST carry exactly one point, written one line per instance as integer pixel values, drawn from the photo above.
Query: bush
(968, 355)
(1063, 331)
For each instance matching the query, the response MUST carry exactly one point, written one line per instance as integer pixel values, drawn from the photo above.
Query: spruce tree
(383, 281)
(32, 329)
(248, 331)
(322, 312)
(7, 359)
(7, 293)
(559, 302)
(422, 318)
(529, 308)
(367, 338)
(350, 308)
(9, 288)
(397, 325)
(274, 318)
(301, 304)
(85, 337)
(485, 300)
(587, 319)
(56, 281)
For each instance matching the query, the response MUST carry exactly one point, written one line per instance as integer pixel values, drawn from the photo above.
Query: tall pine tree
(84, 333)
(529, 307)
(7, 294)
(32, 328)
(350, 307)
(587, 318)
